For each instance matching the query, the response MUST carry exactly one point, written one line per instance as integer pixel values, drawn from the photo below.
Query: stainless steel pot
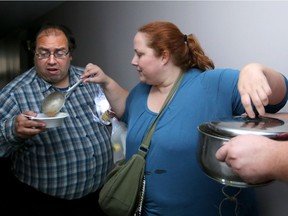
(213, 134)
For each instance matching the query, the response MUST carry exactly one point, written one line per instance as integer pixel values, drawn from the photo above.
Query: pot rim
(237, 125)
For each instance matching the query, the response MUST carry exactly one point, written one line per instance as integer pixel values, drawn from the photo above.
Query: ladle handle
(70, 90)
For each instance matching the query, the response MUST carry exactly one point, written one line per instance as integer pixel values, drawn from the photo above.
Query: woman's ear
(165, 56)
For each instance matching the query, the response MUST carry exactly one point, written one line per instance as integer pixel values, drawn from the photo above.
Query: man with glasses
(55, 170)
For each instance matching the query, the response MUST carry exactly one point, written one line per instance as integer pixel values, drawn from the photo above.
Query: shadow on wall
(14, 57)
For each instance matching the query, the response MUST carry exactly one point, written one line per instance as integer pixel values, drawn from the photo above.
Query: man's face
(52, 58)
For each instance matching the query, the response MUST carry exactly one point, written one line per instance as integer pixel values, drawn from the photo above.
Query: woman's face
(147, 64)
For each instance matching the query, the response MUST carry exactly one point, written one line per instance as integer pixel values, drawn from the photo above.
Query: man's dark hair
(64, 29)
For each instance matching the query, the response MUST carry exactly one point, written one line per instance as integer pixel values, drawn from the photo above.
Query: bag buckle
(142, 151)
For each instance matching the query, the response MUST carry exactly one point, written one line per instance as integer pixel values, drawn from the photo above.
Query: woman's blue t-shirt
(175, 183)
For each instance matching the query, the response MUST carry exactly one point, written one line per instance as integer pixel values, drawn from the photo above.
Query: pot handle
(281, 137)
(255, 120)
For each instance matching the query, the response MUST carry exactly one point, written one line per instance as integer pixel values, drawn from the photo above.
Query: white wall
(232, 33)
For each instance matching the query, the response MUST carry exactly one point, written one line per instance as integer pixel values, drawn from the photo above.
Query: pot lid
(271, 127)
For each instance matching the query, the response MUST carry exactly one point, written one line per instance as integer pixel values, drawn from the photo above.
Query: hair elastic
(185, 38)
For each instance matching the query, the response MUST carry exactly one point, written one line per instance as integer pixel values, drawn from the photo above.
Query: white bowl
(51, 122)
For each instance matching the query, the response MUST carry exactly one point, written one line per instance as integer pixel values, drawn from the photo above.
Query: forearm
(282, 116)
(280, 166)
(277, 84)
(116, 96)
(9, 142)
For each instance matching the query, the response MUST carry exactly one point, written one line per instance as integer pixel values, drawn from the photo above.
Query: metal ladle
(53, 103)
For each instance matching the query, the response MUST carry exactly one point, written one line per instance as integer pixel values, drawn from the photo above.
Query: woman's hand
(261, 86)
(115, 94)
(93, 73)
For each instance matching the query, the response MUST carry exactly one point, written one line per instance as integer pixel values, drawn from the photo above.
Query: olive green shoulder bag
(123, 190)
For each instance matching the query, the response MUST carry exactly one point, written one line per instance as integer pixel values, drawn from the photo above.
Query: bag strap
(143, 149)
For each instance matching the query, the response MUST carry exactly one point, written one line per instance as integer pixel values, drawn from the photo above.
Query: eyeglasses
(59, 54)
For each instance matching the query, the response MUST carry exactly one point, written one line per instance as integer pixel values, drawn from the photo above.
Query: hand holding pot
(252, 157)
(250, 148)
(249, 156)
